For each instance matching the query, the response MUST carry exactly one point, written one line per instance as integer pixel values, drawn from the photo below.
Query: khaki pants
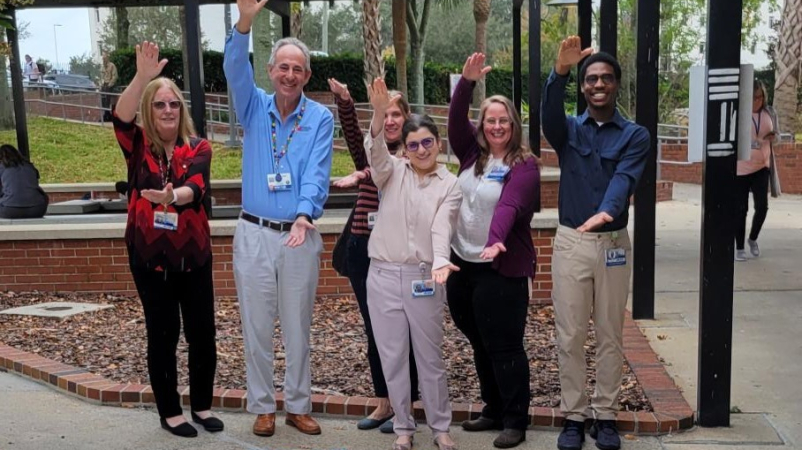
(585, 283)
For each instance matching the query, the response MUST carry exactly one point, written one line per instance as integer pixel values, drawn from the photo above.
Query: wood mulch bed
(112, 343)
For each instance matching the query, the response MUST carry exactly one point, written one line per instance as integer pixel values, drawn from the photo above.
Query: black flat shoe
(183, 430)
(211, 424)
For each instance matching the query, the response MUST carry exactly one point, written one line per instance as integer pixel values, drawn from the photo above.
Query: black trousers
(358, 265)
(106, 102)
(490, 309)
(30, 212)
(758, 183)
(166, 298)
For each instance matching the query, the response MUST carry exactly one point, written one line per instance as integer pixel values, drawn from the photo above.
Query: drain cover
(56, 309)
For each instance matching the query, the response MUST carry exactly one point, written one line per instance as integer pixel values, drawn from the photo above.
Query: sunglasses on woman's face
(160, 105)
(427, 143)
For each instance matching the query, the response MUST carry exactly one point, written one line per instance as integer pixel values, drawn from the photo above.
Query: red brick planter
(671, 411)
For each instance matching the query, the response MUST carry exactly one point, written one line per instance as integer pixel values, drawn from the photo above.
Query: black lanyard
(757, 123)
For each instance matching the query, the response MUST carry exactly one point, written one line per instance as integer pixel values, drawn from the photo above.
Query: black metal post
(517, 88)
(718, 212)
(286, 27)
(584, 21)
(197, 94)
(608, 19)
(534, 76)
(17, 93)
(646, 192)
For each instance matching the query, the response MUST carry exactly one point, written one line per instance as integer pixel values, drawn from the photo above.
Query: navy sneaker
(387, 427)
(572, 436)
(606, 434)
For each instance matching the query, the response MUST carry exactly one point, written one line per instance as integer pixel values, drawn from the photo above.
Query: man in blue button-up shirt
(602, 156)
(286, 163)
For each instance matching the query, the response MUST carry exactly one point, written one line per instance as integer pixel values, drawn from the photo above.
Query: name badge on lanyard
(279, 181)
(164, 220)
(372, 216)
(423, 287)
(615, 257)
(282, 181)
(497, 173)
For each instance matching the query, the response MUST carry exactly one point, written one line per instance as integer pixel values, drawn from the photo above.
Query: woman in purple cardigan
(489, 297)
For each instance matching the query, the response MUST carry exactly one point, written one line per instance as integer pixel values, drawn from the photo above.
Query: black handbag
(339, 256)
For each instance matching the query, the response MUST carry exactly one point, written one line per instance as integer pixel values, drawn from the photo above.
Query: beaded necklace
(277, 155)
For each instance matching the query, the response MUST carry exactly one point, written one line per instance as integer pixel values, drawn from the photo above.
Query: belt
(278, 226)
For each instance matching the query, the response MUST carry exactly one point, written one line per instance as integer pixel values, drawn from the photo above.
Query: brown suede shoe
(303, 422)
(265, 425)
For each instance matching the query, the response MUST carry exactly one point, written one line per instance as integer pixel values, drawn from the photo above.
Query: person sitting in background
(21, 197)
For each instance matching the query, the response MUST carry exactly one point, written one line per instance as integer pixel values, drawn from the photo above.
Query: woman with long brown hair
(489, 296)
(168, 239)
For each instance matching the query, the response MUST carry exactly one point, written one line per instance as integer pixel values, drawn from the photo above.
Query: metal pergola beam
(534, 77)
(16, 88)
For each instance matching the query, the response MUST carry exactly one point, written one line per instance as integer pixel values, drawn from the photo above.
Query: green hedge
(345, 68)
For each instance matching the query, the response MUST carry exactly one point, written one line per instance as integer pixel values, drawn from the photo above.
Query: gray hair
(290, 41)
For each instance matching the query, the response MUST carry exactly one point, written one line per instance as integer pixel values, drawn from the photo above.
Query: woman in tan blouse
(409, 250)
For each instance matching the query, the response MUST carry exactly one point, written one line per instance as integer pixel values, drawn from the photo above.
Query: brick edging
(672, 412)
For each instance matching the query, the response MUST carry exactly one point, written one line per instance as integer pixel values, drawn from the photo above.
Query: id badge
(279, 181)
(372, 216)
(755, 145)
(423, 288)
(165, 220)
(497, 173)
(615, 257)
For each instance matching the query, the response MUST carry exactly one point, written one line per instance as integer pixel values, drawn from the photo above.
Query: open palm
(570, 52)
(147, 60)
(475, 68)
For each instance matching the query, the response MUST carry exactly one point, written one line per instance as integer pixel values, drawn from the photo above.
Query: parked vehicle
(71, 81)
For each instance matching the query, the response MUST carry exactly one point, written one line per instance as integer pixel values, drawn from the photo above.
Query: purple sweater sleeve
(461, 132)
(520, 197)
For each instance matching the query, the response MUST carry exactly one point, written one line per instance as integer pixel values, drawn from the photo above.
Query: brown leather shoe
(303, 422)
(265, 425)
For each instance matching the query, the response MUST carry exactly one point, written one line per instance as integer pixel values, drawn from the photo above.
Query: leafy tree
(85, 65)
(160, 24)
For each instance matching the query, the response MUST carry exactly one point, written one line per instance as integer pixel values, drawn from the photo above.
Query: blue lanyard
(757, 123)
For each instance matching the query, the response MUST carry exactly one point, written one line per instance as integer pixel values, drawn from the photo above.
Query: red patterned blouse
(188, 247)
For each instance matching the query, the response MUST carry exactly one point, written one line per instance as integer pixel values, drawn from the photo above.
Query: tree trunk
(296, 20)
(417, 40)
(787, 75)
(262, 46)
(371, 33)
(6, 106)
(182, 17)
(481, 12)
(123, 25)
(400, 44)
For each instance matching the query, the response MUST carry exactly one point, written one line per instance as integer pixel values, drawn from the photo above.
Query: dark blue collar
(618, 119)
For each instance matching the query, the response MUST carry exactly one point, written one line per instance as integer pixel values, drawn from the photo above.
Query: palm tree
(371, 33)
(400, 44)
(787, 75)
(123, 25)
(481, 12)
(416, 24)
(296, 19)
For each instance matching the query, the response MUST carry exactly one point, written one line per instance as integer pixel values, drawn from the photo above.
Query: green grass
(66, 152)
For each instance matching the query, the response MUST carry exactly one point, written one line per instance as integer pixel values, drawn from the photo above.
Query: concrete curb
(671, 411)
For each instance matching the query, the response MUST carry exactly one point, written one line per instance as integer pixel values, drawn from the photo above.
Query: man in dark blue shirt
(602, 156)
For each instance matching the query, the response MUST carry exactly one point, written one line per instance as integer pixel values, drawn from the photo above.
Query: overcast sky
(73, 38)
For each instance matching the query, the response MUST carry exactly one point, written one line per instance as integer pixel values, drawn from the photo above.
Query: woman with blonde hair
(489, 296)
(168, 239)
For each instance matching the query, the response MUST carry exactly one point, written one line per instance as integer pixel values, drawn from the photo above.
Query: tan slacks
(397, 317)
(584, 283)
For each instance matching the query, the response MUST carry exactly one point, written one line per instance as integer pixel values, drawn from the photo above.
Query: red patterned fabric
(189, 247)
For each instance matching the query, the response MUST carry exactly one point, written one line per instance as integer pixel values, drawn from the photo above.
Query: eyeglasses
(160, 105)
(607, 79)
(503, 122)
(413, 146)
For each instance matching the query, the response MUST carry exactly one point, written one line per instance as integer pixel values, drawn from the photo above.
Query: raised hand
(570, 53)
(380, 97)
(351, 180)
(441, 275)
(248, 9)
(148, 65)
(339, 89)
(474, 68)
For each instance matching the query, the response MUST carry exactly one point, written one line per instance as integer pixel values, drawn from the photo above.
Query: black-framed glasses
(606, 78)
(427, 143)
(160, 105)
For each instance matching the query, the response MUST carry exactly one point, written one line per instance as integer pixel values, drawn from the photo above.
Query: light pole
(55, 42)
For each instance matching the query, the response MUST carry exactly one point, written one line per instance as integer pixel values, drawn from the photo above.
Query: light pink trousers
(397, 316)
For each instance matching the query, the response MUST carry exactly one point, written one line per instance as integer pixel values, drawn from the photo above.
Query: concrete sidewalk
(766, 364)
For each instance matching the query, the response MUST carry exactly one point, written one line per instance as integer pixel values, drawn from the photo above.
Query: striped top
(367, 200)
